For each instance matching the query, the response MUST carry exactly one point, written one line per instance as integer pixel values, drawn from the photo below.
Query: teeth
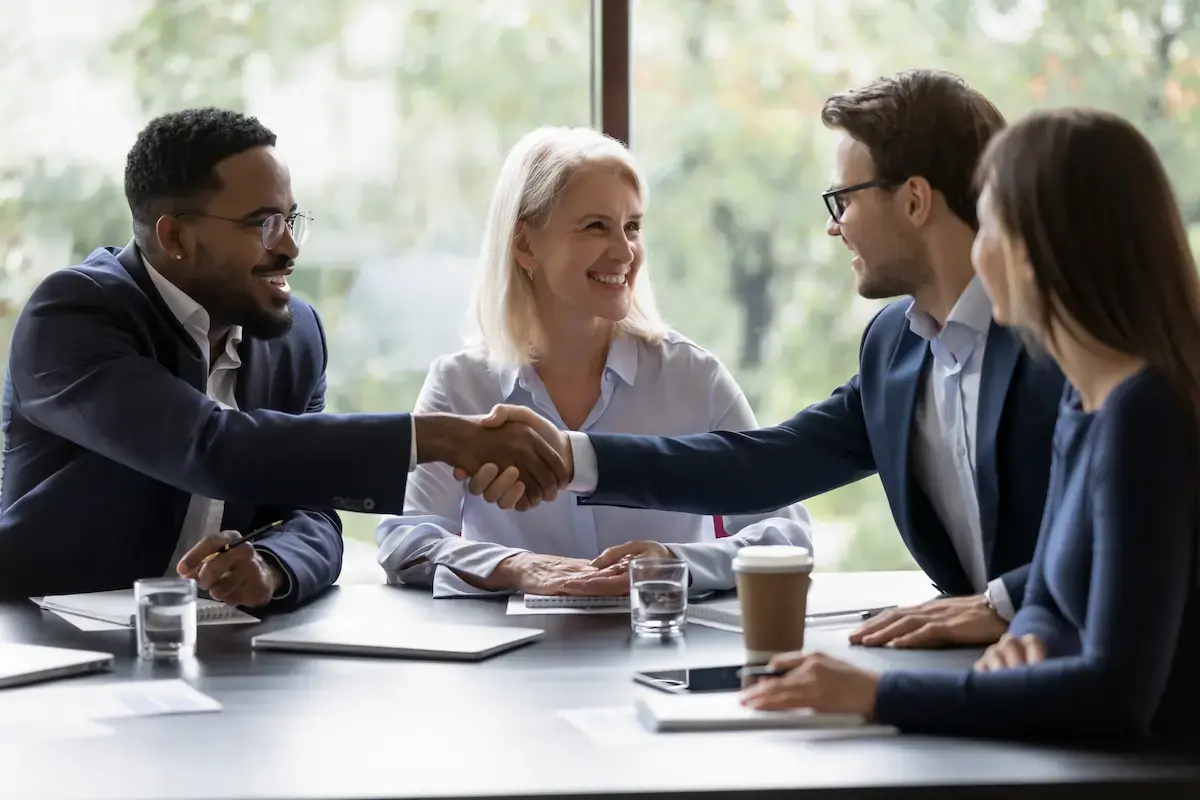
(613, 280)
(276, 280)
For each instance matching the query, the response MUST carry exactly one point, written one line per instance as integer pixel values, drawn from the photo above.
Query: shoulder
(1145, 414)
(676, 357)
(466, 381)
(98, 274)
(890, 321)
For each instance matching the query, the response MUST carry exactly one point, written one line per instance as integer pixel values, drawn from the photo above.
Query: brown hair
(921, 122)
(1090, 199)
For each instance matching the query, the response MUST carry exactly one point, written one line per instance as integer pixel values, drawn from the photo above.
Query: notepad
(576, 601)
(120, 608)
(723, 711)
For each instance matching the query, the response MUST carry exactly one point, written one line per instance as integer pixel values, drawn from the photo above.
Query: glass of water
(166, 617)
(658, 595)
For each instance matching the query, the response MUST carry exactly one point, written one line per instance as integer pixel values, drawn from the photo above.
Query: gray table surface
(313, 726)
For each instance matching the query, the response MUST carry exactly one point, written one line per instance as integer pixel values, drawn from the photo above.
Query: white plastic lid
(773, 557)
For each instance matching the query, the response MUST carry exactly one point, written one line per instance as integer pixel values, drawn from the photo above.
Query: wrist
(440, 437)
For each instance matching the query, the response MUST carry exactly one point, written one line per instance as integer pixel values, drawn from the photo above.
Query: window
(726, 120)
(395, 116)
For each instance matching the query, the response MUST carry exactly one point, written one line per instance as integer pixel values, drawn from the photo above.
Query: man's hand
(1012, 651)
(945, 621)
(612, 575)
(504, 486)
(532, 573)
(532, 468)
(240, 577)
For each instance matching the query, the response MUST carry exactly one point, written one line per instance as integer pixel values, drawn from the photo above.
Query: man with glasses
(947, 408)
(161, 397)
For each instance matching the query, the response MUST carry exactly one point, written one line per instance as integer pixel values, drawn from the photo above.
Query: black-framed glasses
(837, 206)
(271, 227)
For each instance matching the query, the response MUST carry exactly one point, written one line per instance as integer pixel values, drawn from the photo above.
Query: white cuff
(997, 595)
(586, 470)
(412, 456)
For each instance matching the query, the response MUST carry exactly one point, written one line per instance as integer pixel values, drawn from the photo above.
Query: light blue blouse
(670, 388)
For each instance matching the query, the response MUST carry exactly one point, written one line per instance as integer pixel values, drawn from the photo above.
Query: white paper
(516, 608)
(610, 727)
(712, 623)
(87, 623)
(103, 701)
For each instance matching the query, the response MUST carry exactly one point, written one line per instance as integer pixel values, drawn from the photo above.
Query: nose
(833, 227)
(287, 245)
(623, 247)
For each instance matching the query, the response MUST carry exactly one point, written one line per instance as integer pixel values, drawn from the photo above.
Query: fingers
(928, 635)
(214, 571)
(556, 474)
(899, 627)
(189, 565)
(614, 554)
(1013, 653)
(1035, 651)
(497, 417)
(877, 623)
(482, 479)
(599, 585)
(788, 661)
(501, 485)
(510, 498)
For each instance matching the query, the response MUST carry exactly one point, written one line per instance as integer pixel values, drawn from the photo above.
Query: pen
(249, 537)
(865, 614)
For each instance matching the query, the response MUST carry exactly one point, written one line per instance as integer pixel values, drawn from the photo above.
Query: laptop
(22, 664)
(425, 641)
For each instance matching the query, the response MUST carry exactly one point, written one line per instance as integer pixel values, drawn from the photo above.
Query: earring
(529, 273)
(178, 257)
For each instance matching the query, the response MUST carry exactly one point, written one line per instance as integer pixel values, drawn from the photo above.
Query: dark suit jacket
(866, 426)
(108, 431)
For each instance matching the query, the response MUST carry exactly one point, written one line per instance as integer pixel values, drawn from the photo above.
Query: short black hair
(175, 156)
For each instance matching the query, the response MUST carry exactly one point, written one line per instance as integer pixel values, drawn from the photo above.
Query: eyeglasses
(271, 228)
(833, 197)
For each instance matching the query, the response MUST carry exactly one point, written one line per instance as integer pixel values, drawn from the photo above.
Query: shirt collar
(622, 361)
(972, 310)
(191, 315)
(968, 321)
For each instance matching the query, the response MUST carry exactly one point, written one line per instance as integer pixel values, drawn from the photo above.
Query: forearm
(710, 563)
(308, 548)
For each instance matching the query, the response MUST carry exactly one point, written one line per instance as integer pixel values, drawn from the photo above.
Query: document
(102, 701)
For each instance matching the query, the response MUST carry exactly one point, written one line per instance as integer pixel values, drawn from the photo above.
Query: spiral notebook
(120, 608)
(576, 601)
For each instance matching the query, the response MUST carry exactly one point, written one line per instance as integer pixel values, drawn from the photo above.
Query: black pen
(249, 537)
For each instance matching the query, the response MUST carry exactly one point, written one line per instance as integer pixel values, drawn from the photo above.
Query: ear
(522, 247)
(174, 239)
(918, 203)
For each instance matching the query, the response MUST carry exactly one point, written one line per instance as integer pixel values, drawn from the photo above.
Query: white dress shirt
(672, 388)
(944, 447)
(204, 514)
(947, 422)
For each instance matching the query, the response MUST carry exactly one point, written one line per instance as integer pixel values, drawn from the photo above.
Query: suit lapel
(919, 523)
(999, 363)
(253, 387)
(190, 361)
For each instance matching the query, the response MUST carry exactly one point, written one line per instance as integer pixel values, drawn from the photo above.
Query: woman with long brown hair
(1081, 245)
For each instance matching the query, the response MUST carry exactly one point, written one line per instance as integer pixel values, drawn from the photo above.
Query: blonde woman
(567, 326)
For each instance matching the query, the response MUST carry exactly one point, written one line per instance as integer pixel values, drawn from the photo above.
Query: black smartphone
(694, 679)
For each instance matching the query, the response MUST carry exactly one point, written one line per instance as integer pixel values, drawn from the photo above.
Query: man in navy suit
(947, 407)
(162, 396)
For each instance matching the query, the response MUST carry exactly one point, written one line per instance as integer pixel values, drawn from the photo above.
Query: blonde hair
(531, 182)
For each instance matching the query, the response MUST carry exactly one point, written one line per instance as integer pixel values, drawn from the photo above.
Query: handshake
(513, 456)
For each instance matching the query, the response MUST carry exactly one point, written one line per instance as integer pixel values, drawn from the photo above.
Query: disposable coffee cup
(772, 586)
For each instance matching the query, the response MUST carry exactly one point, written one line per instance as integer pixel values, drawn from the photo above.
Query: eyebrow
(606, 216)
(265, 211)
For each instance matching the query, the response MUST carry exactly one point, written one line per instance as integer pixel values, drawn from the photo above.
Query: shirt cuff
(412, 456)
(584, 457)
(286, 588)
(997, 595)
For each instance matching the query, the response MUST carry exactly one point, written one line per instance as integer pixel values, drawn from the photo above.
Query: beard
(236, 305)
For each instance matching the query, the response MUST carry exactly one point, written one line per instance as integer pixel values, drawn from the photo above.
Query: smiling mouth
(278, 281)
(608, 279)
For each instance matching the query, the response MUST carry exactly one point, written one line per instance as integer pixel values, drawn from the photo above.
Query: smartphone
(694, 679)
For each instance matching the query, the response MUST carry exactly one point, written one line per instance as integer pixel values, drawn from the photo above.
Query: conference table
(549, 719)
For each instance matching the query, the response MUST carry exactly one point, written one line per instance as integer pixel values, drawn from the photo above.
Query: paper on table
(609, 726)
(516, 608)
(103, 701)
(87, 623)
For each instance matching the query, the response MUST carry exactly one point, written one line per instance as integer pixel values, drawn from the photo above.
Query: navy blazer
(108, 431)
(865, 427)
